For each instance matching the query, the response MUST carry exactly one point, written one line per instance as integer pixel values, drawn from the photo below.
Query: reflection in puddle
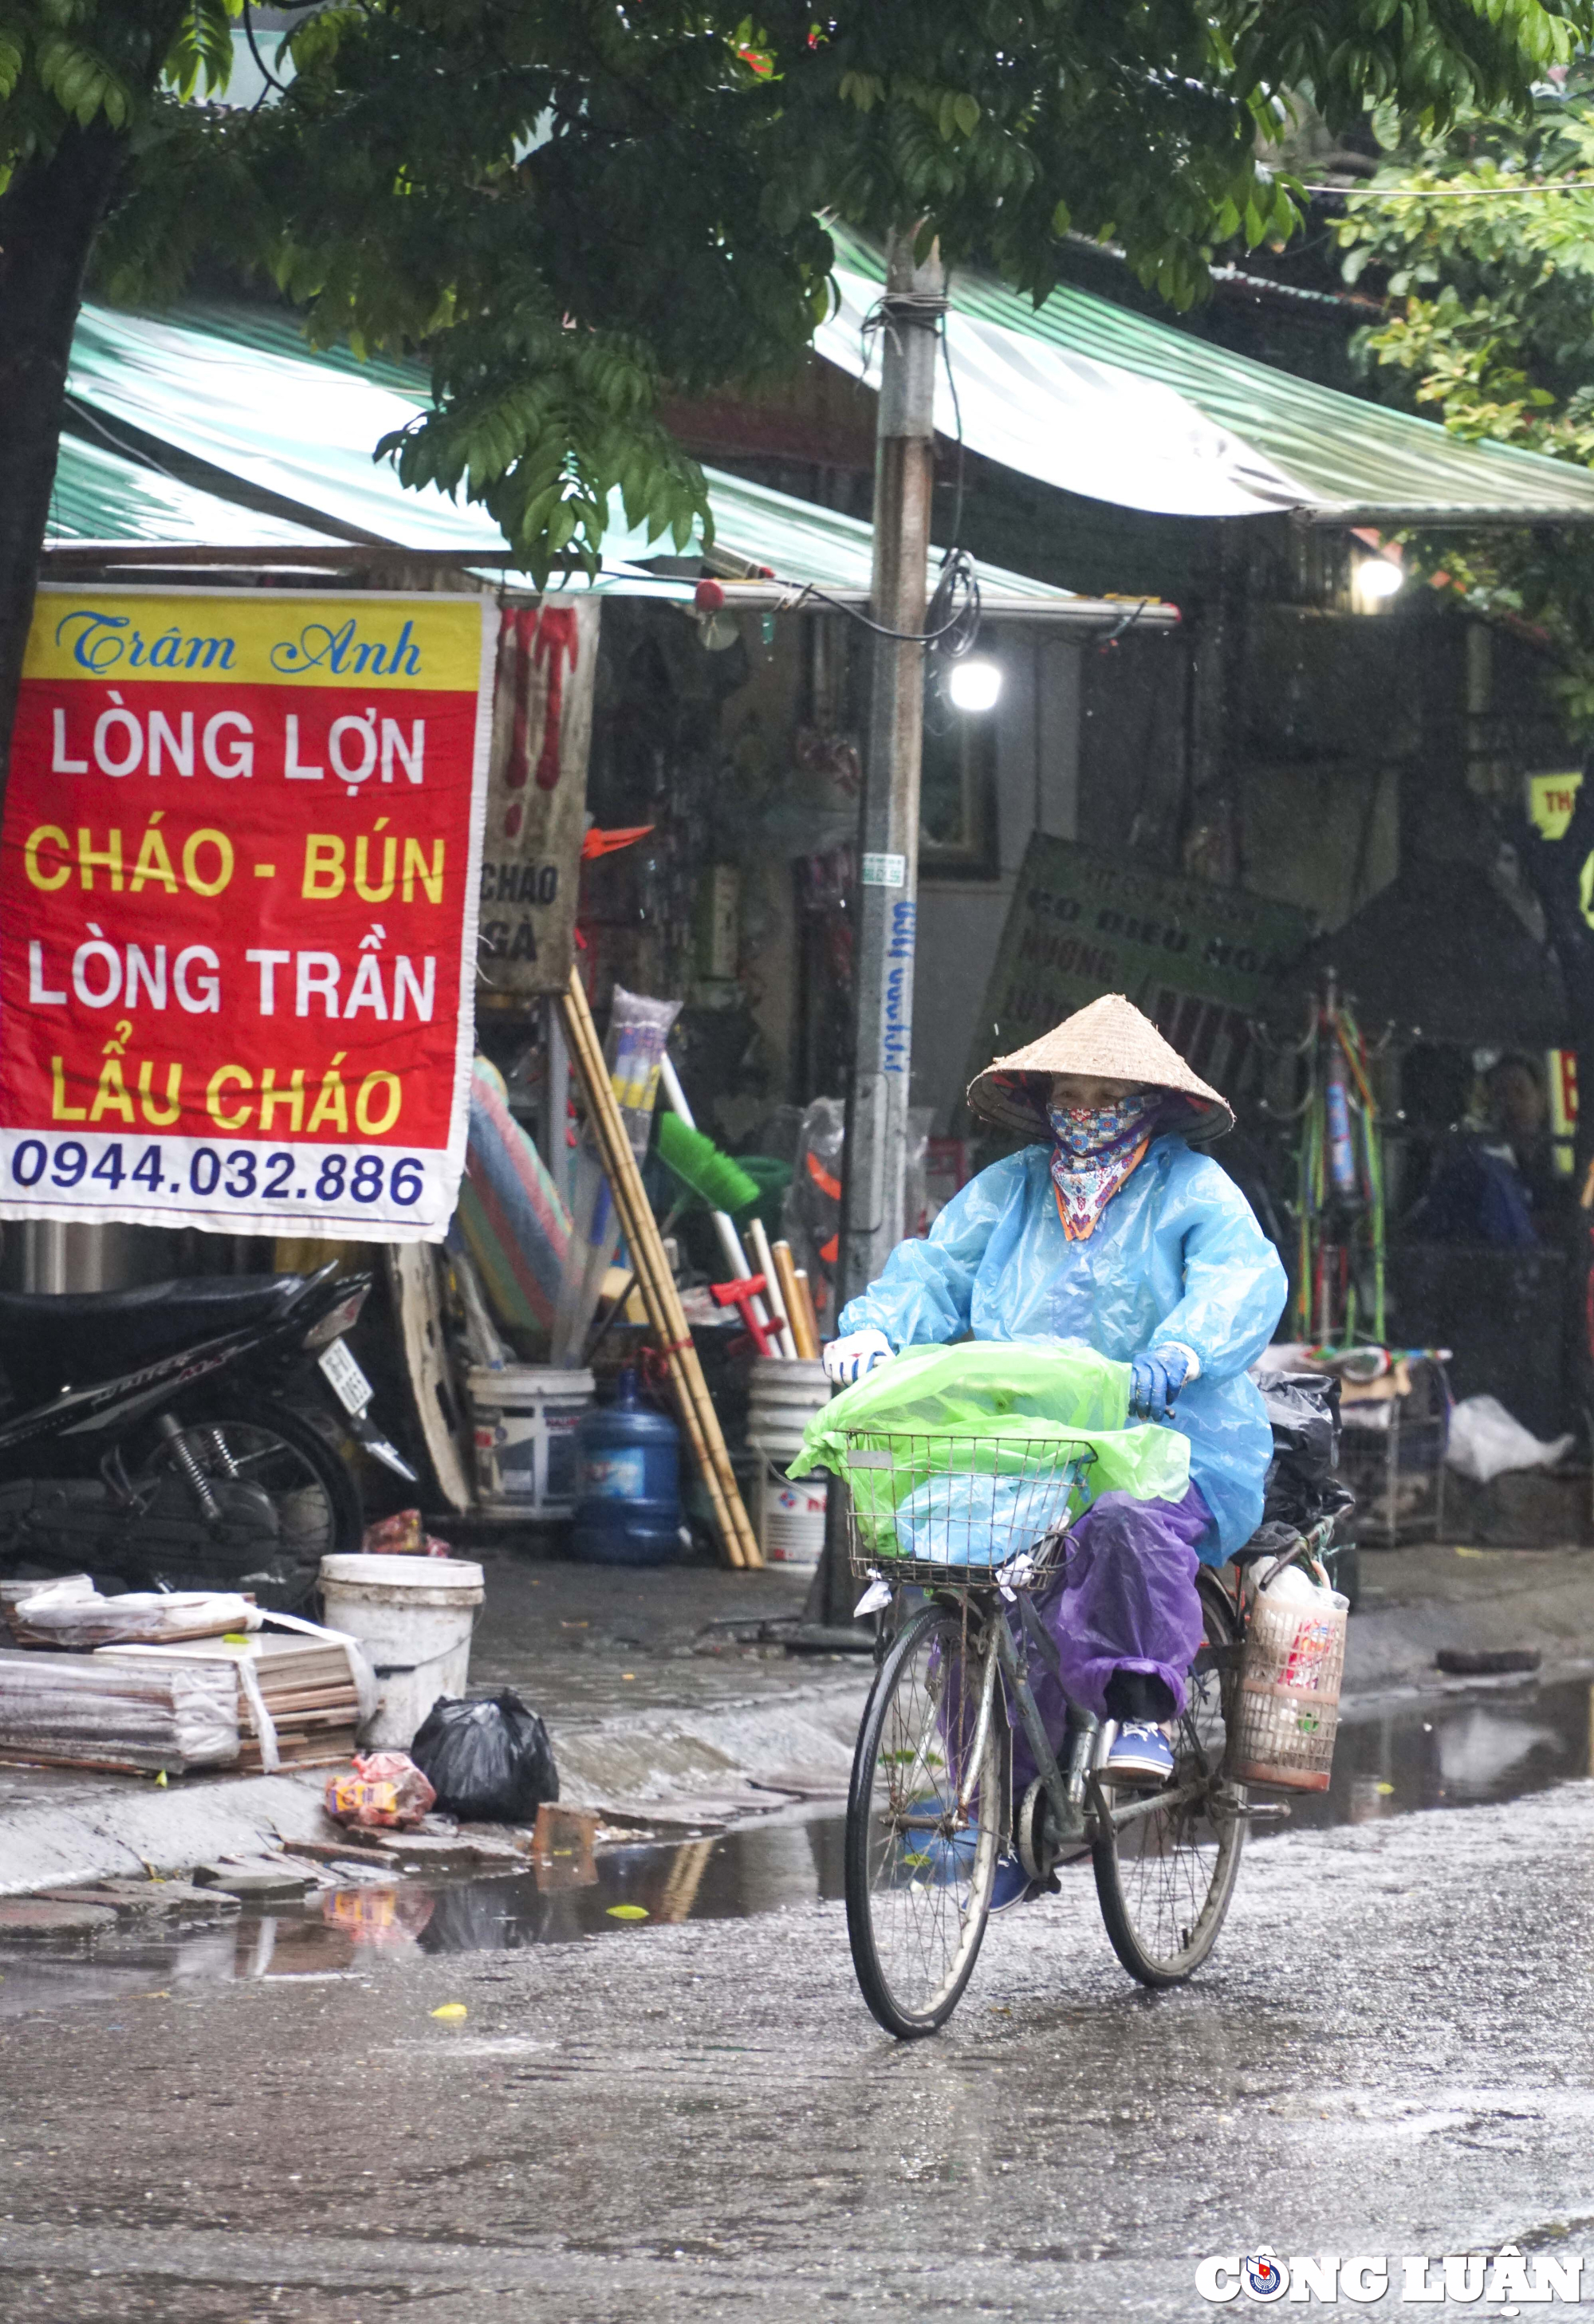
(348, 1930)
(1458, 1752)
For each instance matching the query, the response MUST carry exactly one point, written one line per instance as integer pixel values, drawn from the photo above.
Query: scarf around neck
(1094, 1149)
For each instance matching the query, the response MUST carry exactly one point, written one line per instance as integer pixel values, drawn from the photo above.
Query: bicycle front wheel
(1164, 1881)
(924, 1820)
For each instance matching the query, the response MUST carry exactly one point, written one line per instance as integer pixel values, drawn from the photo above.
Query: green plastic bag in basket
(987, 1409)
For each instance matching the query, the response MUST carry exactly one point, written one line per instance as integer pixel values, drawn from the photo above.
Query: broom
(669, 1081)
(719, 1182)
(703, 1175)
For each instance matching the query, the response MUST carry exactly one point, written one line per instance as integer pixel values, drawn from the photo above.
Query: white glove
(849, 1358)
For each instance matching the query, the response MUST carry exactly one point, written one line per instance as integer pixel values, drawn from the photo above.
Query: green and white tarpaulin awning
(1089, 397)
(102, 495)
(754, 526)
(274, 444)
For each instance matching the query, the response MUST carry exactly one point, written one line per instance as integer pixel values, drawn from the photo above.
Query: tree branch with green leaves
(573, 213)
(1483, 243)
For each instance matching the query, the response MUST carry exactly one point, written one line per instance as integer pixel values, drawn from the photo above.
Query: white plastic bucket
(791, 1519)
(414, 1617)
(784, 1398)
(524, 1422)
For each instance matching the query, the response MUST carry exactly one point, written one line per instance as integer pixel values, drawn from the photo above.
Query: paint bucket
(785, 1396)
(524, 1423)
(791, 1519)
(413, 1619)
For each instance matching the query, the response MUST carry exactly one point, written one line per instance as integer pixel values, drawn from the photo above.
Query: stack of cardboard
(306, 1685)
(74, 1710)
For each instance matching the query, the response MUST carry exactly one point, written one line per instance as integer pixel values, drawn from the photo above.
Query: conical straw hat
(1110, 1040)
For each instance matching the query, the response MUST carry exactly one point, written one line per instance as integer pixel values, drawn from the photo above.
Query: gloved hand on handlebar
(1154, 1381)
(847, 1359)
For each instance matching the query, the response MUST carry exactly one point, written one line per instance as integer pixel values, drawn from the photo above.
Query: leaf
(863, 90)
(12, 51)
(200, 58)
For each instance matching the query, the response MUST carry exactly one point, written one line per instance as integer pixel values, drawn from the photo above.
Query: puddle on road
(1456, 1751)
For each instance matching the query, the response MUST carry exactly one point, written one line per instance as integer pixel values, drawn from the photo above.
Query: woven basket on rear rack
(939, 1509)
(1289, 1694)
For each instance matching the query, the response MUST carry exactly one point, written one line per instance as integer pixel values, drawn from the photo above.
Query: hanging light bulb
(973, 683)
(1376, 578)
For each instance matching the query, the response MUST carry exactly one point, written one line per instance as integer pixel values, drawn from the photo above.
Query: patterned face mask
(1094, 1150)
(1089, 1133)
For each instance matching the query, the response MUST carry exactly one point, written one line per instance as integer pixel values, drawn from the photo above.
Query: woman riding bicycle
(1110, 1230)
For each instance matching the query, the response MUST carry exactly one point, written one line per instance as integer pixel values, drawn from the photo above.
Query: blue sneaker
(1141, 1756)
(1012, 1886)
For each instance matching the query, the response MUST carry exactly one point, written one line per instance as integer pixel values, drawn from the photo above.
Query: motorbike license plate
(347, 1382)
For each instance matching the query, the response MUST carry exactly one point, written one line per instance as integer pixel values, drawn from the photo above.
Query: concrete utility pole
(882, 1004)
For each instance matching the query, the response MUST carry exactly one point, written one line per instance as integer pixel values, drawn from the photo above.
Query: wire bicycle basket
(934, 1507)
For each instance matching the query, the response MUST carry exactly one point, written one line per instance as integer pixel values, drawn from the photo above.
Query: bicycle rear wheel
(1165, 1882)
(924, 1822)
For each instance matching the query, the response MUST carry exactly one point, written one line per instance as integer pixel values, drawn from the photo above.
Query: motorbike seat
(49, 1339)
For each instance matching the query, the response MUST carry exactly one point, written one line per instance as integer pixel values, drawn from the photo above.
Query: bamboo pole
(774, 1289)
(647, 1257)
(804, 1338)
(805, 1302)
(659, 1296)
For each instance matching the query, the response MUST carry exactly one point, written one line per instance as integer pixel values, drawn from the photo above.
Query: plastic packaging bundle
(638, 1030)
(512, 1220)
(72, 1615)
(490, 1761)
(403, 1535)
(85, 1712)
(1486, 1442)
(385, 1789)
(960, 1520)
(999, 1414)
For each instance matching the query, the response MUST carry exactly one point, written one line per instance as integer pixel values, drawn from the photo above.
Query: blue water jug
(628, 1510)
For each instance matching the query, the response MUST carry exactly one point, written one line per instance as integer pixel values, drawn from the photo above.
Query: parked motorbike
(148, 1434)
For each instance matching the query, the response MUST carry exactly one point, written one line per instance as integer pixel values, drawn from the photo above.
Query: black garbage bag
(1301, 1486)
(489, 1760)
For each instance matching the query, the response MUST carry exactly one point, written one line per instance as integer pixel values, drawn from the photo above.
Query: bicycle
(929, 1810)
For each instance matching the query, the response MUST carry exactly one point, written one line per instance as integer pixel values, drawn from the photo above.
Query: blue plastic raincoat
(1176, 1255)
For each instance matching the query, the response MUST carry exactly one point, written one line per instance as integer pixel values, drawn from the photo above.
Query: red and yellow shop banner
(239, 869)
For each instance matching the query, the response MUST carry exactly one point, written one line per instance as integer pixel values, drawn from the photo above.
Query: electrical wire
(267, 75)
(951, 619)
(957, 416)
(952, 613)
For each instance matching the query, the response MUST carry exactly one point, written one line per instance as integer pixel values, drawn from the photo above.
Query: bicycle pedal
(1255, 1809)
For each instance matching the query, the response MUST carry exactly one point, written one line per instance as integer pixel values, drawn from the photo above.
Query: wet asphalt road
(1391, 2051)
